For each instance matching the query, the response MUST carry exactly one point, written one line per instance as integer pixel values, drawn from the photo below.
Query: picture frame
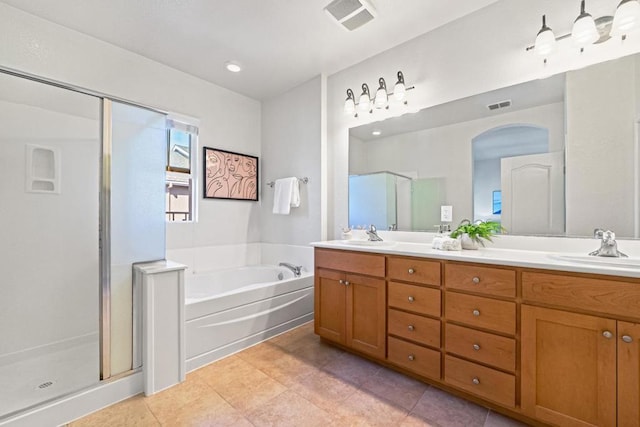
(230, 175)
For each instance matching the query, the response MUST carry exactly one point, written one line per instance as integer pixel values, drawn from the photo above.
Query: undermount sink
(368, 243)
(595, 260)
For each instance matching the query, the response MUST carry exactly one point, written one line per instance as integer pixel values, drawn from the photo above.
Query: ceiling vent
(351, 14)
(498, 105)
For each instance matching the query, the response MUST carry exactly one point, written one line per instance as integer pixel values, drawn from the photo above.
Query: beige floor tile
(131, 412)
(446, 410)
(207, 411)
(352, 369)
(290, 409)
(412, 420)
(168, 402)
(324, 390)
(365, 409)
(317, 352)
(399, 389)
(497, 420)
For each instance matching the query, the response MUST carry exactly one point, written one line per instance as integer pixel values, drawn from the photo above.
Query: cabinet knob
(476, 312)
(411, 299)
(346, 283)
(627, 338)
(476, 347)
(607, 334)
(411, 271)
(341, 282)
(476, 280)
(475, 380)
(412, 357)
(412, 328)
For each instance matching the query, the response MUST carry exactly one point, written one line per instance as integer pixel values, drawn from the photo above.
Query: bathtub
(229, 310)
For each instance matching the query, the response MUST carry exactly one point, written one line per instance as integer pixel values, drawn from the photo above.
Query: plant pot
(467, 242)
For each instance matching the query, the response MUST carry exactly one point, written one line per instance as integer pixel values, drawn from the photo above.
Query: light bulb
(584, 30)
(381, 98)
(626, 19)
(545, 40)
(365, 99)
(350, 103)
(399, 91)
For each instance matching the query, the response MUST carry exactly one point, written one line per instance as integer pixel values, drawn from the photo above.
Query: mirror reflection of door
(530, 204)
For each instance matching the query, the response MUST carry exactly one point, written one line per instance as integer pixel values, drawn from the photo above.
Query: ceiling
(279, 43)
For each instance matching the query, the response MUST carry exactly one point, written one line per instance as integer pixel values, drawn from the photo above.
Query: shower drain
(46, 384)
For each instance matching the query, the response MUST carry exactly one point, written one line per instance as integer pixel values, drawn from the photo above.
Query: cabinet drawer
(481, 346)
(414, 298)
(414, 270)
(613, 297)
(415, 328)
(486, 280)
(352, 262)
(481, 381)
(421, 360)
(499, 316)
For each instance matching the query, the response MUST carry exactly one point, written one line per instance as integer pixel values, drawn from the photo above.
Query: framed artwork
(229, 175)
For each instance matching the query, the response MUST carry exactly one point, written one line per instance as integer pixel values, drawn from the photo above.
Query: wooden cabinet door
(628, 374)
(366, 315)
(568, 368)
(330, 305)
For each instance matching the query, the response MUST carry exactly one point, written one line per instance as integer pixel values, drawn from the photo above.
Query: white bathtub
(228, 310)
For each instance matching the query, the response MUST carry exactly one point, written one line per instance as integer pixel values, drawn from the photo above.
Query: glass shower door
(50, 145)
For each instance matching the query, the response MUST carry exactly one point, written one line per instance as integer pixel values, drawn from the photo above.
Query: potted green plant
(472, 234)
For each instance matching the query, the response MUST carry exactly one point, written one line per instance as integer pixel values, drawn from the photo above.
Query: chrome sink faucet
(373, 234)
(608, 246)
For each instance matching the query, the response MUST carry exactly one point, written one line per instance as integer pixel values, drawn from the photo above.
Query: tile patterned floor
(296, 380)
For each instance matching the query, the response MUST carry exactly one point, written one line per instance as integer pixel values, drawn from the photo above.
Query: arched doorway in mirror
(518, 179)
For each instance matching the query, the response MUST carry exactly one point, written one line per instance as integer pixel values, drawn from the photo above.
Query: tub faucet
(608, 246)
(296, 269)
(373, 234)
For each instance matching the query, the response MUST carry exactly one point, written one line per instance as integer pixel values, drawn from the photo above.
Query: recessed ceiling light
(376, 133)
(233, 67)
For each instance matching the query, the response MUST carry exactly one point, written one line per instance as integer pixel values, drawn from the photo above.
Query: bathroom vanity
(545, 341)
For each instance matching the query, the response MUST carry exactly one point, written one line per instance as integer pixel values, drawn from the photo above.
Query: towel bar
(302, 180)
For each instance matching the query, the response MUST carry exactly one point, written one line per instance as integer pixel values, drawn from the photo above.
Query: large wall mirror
(553, 157)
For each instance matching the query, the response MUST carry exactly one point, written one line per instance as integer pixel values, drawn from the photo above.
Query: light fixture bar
(381, 98)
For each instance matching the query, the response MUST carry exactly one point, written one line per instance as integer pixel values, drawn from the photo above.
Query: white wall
(291, 132)
(601, 130)
(475, 54)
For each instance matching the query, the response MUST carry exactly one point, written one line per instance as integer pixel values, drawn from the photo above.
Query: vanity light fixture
(381, 99)
(626, 19)
(587, 30)
(350, 103)
(584, 31)
(365, 99)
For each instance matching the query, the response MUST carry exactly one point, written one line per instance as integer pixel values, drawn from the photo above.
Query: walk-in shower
(82, 198)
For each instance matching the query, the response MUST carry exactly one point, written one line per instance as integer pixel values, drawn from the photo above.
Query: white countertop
(512, 257)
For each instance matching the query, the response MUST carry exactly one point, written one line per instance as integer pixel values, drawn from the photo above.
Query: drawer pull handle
(475, 380)
(411, 271)
(476, 280)
(411, 299)
(346, 283)
(627, 339)
(476, 347)
(607, 334)
(412, 328)
(412, 358)
(476, 312)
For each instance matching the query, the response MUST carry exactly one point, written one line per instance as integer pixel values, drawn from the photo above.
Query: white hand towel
(286, 195)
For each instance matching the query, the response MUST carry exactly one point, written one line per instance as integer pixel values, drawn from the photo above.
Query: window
(181, 144)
